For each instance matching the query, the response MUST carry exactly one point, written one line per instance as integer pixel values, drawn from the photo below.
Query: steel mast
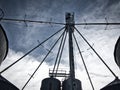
(70, 29)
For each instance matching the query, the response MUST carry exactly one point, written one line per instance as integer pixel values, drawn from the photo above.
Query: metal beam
(97, 23)
(30, 21)
(70, 30)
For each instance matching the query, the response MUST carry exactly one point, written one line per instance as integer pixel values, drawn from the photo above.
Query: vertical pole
(70, 30)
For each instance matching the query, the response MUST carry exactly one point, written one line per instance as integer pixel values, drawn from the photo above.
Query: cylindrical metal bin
(3, 44)
(66, 85)
(117, 52)
(50, 84)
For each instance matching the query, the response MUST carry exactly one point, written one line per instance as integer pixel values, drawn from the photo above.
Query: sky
(24, 36)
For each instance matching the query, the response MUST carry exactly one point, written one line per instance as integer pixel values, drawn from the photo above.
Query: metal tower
(70, 30)
(71, 83)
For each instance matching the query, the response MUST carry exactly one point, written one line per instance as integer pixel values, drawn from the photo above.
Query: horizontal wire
(98, 23)
(46, 22)
(32, 21)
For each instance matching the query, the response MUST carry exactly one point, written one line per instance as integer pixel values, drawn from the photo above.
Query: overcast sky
(24, 36)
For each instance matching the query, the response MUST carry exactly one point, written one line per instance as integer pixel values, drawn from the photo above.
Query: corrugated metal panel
(50, 84)
(3, 44)
(67, 85)
(6, 85)
(117, 52)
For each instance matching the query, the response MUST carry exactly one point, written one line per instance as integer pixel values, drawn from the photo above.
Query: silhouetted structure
(117, 52)
(50, 84)
(6, 85)
(71, 83)
(114, 85)
(66, 85)
(3, 44)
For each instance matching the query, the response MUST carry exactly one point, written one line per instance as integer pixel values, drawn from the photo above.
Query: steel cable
(30, 51)
(58, 53)
(42, 61)
(61, 54)
(96, 53)
(83, 62)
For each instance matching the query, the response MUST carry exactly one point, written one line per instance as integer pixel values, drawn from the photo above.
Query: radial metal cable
(30, 51)
(58, 53)
(96, 53)
(97, 23)
(42, 61)
(32, 21)
(61, 54)
(83, 62)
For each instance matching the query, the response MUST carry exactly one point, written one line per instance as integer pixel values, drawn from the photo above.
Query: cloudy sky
(24, 36)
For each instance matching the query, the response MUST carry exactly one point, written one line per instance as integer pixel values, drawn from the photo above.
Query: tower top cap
(70, 18)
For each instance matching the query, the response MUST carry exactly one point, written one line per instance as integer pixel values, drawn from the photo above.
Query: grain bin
(3, 44)
(117, 52)
(50, 84)
(66, 85)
